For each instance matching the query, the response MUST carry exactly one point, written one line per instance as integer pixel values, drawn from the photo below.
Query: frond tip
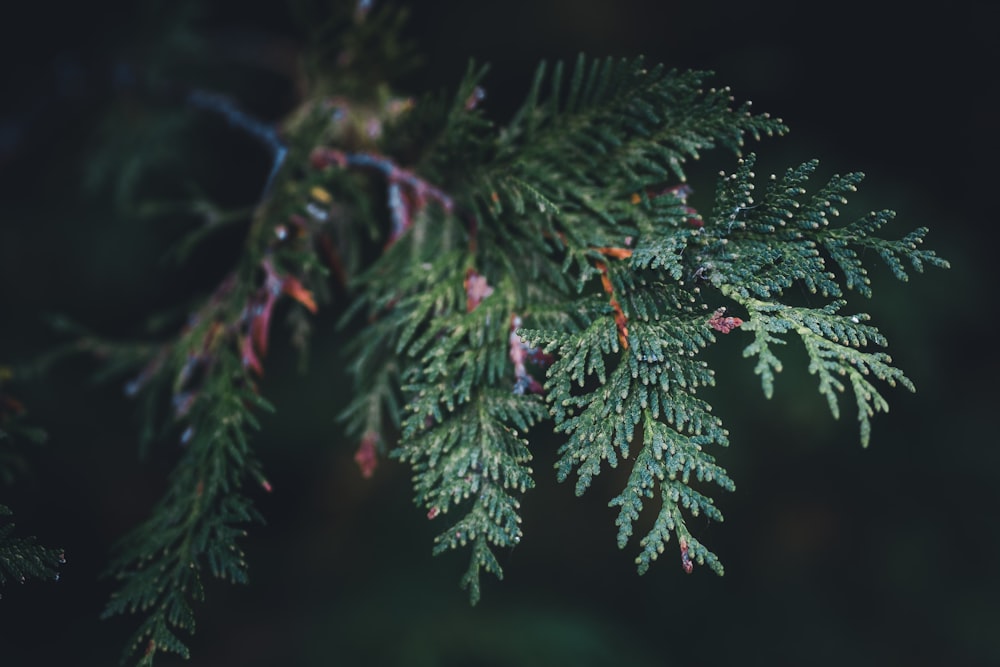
(549, 273)
(835, 345)
(756, 249)
(22, 558)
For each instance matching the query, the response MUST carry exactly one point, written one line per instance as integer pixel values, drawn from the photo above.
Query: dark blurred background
(834, 555)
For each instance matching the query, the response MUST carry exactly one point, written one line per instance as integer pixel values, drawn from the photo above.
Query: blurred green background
(834, 555)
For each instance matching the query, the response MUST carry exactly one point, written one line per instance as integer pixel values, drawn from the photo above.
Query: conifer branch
(833, 343)
(264, 133)
(210, 372)
(549, 270)
(753, 251)
(21, 558)
(195, 527)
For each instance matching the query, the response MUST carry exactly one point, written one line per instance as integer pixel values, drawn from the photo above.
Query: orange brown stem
(615, 253)
(621, 322)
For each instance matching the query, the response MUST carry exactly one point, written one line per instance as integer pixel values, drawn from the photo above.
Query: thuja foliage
(505, 279)
(21, 558)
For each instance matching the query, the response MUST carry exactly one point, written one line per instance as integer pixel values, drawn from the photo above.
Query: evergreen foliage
(21, 558)
(197, 524)
(546, 273)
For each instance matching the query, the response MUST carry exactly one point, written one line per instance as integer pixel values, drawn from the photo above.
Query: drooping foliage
(503, 280)
(21, 558)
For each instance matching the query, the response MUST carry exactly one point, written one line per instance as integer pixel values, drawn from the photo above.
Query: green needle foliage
(21, 558)
(504, 280)
(197, 524)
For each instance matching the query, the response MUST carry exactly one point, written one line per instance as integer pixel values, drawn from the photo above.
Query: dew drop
(317, 213)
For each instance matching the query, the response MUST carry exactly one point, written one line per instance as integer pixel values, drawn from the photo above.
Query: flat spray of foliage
(21, 558)
(543, 274)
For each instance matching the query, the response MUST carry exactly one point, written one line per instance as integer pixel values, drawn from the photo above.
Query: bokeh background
(834, 555)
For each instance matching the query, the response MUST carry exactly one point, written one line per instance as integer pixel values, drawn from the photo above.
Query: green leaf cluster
(21, 558)
(544, 273)
(578, 171)
(537, 200)
(196, 527)
(752, 251)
